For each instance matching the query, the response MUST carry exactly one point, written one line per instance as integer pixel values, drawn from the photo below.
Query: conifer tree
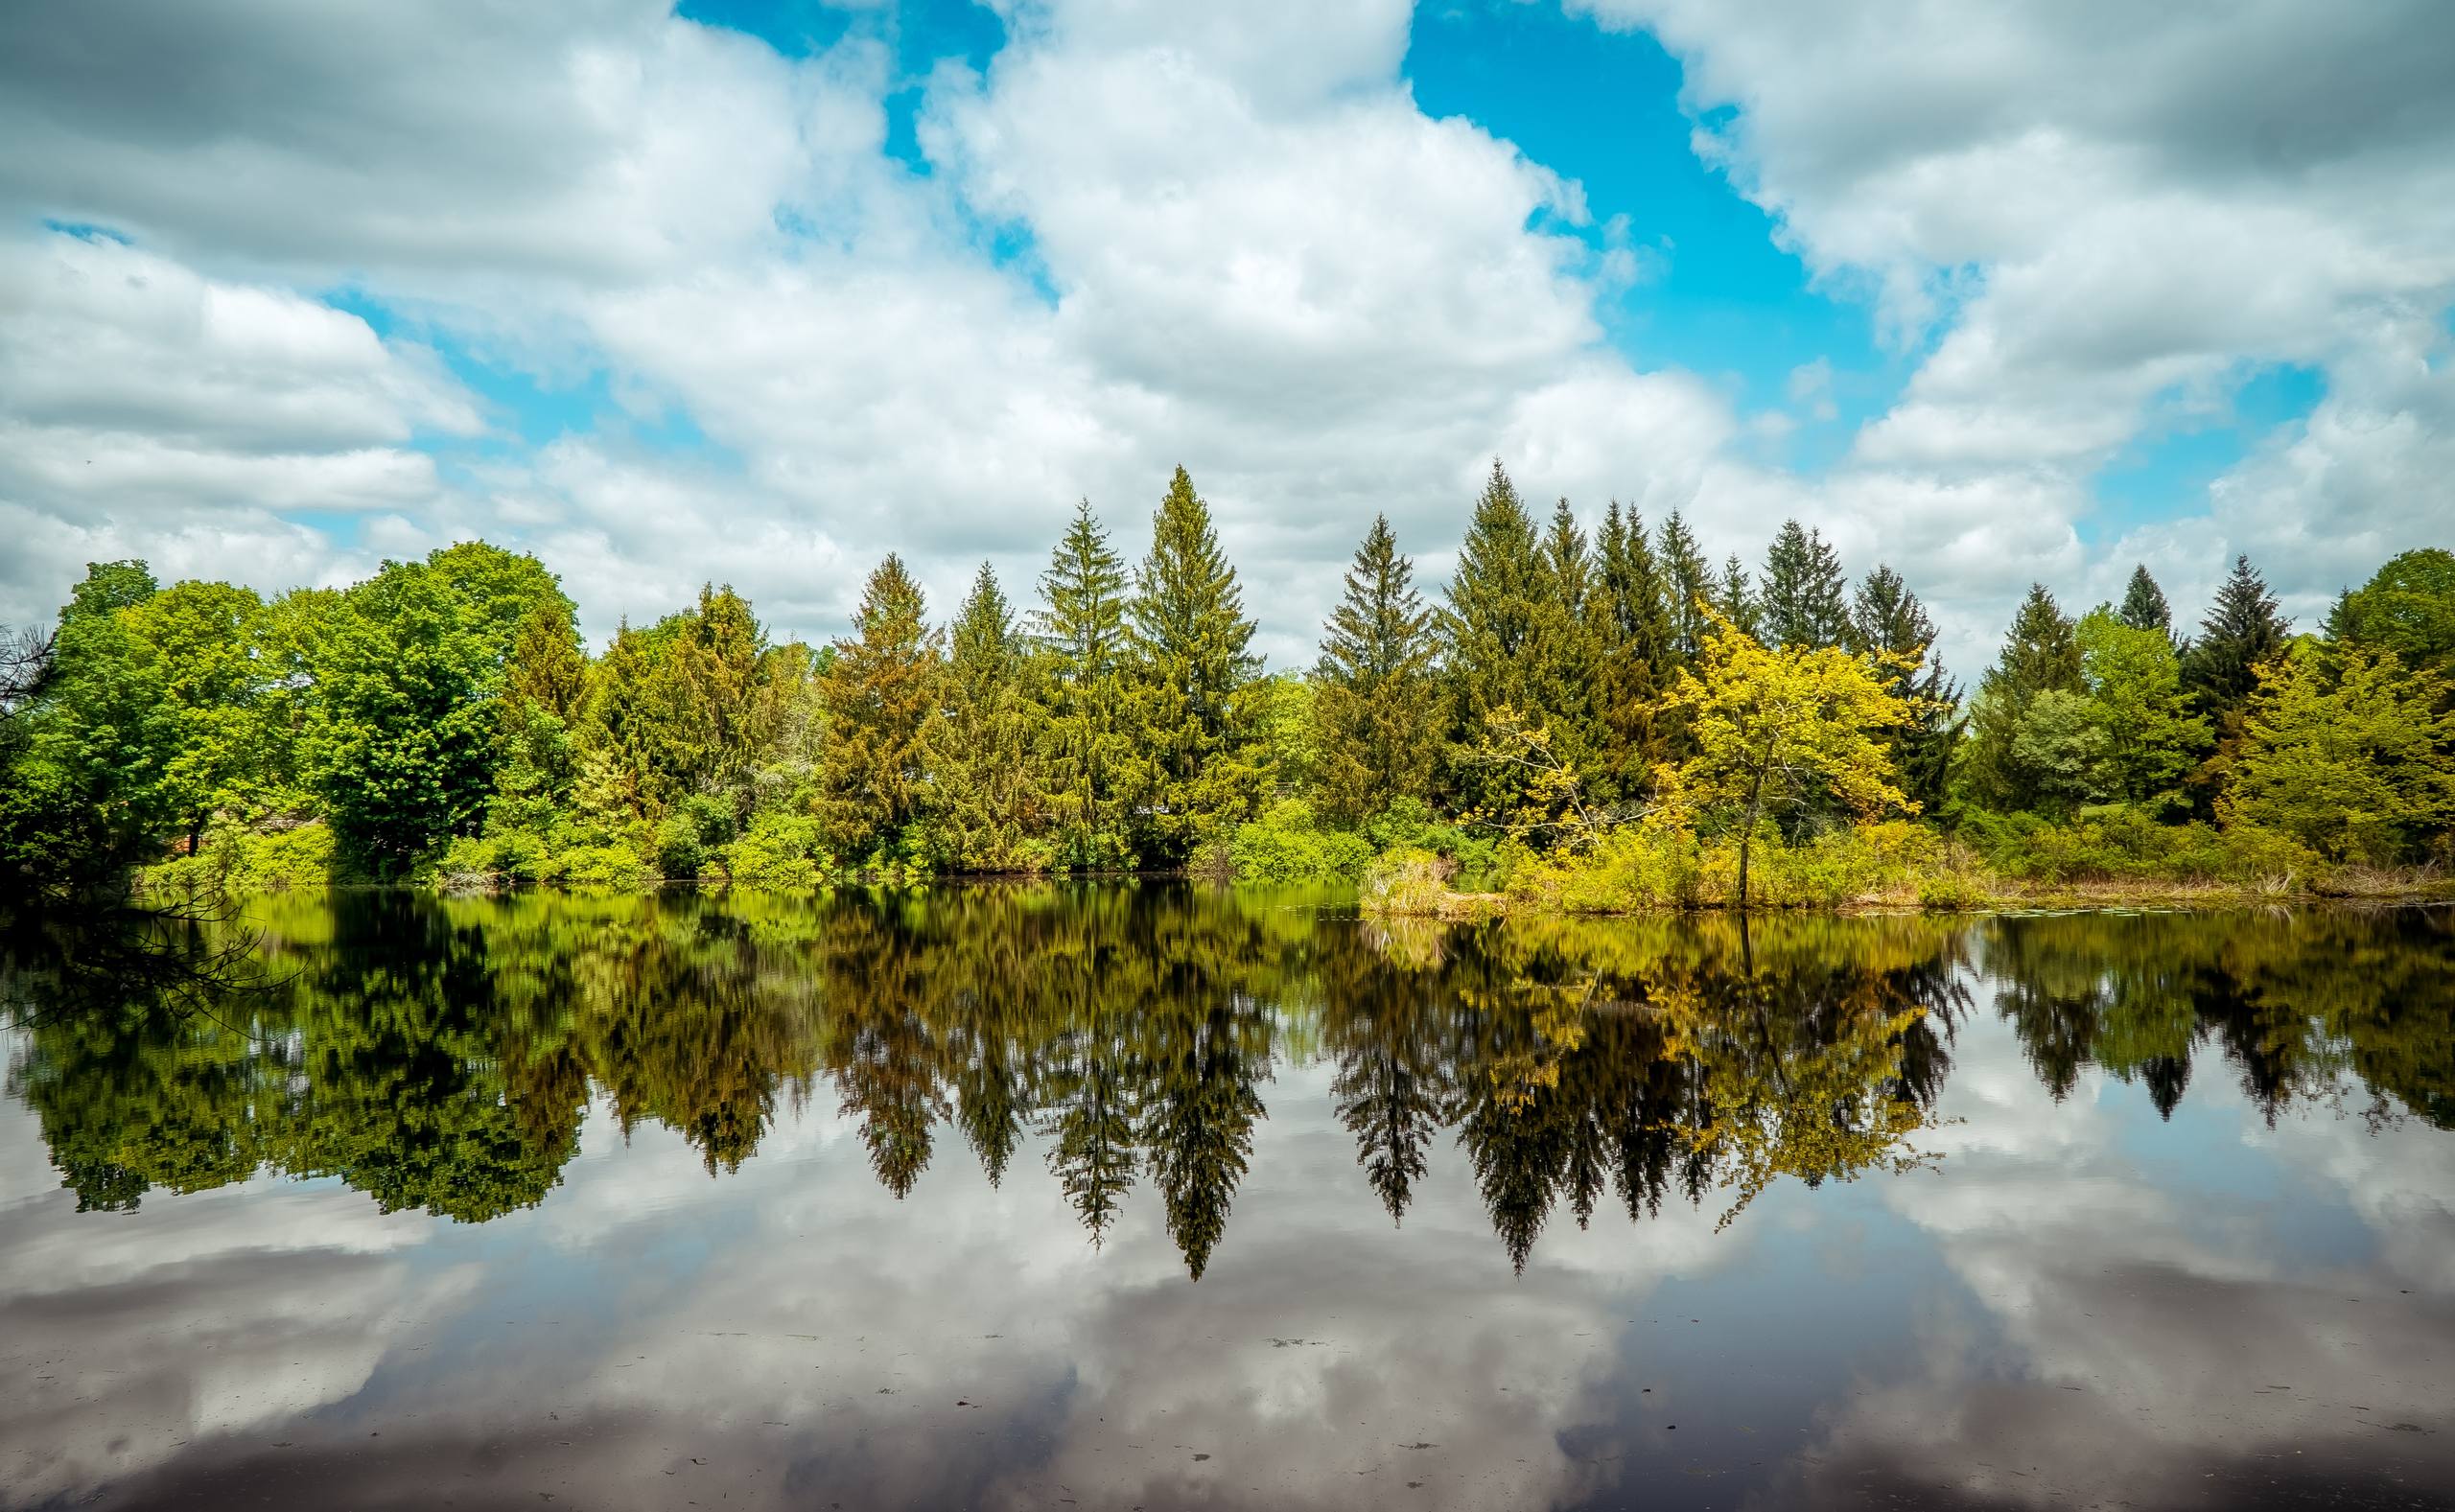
(1805, 601)
(2242, 632)
(1567, 647)
(1689, 586)
(1373, 693)
(1887, 618)
(986, 770)
(1081, 632)
(881, 696)
(2143, 603)
(2040, 657)
(1195, 716)
(1635, 625)
(1737, 602)
(1486, 631)
(545, 698)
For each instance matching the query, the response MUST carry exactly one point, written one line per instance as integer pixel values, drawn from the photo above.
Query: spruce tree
(1195, 719)
(2041, 656)
(1805, 601)
(1486, 631)
(1737, 599)
(1886, 616)
(987, 770)
(1633, 618)
(1688, 582)
(1374, 691)
(881, 696)
(1081, 632)
(2242, 631)
(1567, 646)
(2143, 603)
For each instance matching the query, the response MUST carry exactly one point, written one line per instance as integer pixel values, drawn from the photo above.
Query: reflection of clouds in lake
(795, 1327)
(2134, 1344)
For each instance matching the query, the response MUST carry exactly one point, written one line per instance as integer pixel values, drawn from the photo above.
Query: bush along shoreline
(1588, 716)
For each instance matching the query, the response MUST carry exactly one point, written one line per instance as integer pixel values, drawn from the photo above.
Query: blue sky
(756, 292)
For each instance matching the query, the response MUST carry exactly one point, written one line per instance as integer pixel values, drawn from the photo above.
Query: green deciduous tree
(1195, 716)
(202, 634)
(882, 696)
(1773, 727)
(2348, 750)
(2407, 607)
(2151, 737)
(1375, 698)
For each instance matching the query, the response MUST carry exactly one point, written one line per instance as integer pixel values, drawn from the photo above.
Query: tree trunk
(1747, 837)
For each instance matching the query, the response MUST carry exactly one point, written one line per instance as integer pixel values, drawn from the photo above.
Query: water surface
(1160, 1198)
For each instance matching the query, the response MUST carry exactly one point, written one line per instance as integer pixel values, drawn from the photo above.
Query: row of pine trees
(445, 713)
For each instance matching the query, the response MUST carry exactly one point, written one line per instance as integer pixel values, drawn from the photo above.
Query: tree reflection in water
(442, 1053)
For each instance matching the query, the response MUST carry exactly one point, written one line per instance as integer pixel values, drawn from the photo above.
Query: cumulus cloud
(2092, 219)
(1143, 234)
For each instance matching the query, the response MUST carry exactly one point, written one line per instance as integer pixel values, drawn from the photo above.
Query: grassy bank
(1639, 869)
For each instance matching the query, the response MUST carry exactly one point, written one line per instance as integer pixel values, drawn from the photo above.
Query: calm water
(1160, 1198)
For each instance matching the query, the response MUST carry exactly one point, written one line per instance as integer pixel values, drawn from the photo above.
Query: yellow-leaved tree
(1770, 728)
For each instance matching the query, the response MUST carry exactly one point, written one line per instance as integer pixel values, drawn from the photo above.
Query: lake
(1156, 1197)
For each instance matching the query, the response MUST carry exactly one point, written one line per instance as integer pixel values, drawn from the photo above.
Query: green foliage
(1287, 845)
(2242, 633)
(1192, 686)
(1374, 697)
(610, 869)
(1642, 867)
(883, 697)
(1772, 728)
(780, 851)
(1635, 632)
(1689, 585)
(235, 859)
(2348, 752)
(1887, 618)
(2121, 843)
(2407, 607)
(989, 772)
(1087, 748)
(2148, 738)
(2144, 606)
(1806, 593)
(2041, 655)
(1486, 633)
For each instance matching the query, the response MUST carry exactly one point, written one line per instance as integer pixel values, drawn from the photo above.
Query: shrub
(779, 851)
(680, 852)
(598, 868)
(239, 860)
(1285, 845)
(1409, 824)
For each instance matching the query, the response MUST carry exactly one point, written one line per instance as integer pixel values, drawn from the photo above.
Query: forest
(1588, 720)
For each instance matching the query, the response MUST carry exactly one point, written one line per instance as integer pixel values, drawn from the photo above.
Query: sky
(756, 292)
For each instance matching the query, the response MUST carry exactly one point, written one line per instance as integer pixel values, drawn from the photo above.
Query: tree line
(443, 718)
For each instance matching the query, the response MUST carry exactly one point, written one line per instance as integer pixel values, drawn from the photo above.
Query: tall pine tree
(1373, 693)
(1737, 599)
(1081, 632)
(1633, 618)
(1567, 648)
(1886, 616)
(2242, 632)
(2041, 658)
(1195, 716)
(988, 773)
(1805, 600)
(1487, 630)
(881, 696)
(1688, 581)
(2143, 603)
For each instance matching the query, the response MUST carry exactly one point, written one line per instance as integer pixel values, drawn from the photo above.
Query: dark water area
(1161, 1198)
